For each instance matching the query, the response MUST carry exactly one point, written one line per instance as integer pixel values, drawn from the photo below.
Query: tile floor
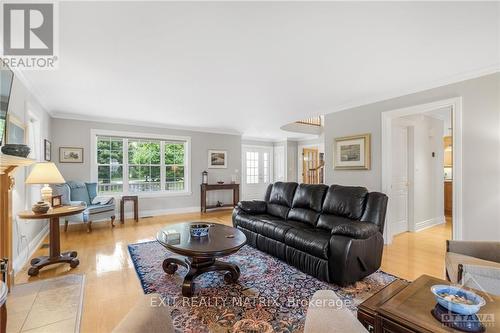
(52, 305)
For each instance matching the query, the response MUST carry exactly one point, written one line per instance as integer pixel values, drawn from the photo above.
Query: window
(252, 167)
(110, 164)
(140, 165)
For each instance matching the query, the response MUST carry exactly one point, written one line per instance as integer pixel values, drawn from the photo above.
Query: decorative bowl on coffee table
(476, 301)
(199, 229)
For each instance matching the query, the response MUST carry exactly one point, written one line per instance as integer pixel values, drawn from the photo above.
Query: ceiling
(251, 67)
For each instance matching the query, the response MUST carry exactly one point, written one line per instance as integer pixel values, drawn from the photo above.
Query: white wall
(26, 234)
(481, 147)
(77, 133)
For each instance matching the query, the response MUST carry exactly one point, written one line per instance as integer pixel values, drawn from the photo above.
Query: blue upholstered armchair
(80, 193)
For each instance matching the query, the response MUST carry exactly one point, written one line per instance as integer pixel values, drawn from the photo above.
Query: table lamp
(45, 173)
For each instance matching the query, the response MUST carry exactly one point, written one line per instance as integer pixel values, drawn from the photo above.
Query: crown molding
(71, 116)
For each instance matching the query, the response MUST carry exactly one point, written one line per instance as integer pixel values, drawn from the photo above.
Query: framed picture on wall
(47, 150)
(352, 152)
(70, 155)
(217, 159)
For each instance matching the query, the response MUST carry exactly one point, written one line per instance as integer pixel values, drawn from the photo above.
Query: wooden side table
(135, 200)
(55, 256)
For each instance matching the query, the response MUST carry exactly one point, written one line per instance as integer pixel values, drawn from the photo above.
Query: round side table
(55, 256)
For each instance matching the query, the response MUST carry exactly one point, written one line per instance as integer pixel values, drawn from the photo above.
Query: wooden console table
(55, 256)
(217, 187)
(8, 165)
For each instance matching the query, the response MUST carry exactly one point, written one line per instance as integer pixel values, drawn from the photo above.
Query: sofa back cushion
(281, 199)
(79, 192)
(307, 203)
(345, 201)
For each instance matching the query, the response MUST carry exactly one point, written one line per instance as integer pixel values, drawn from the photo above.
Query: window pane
(174, 153)
(103, 174)
(103, 156)
(103, 143)
(116, 144)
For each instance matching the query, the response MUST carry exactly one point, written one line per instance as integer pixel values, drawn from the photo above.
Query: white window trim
(94, 133)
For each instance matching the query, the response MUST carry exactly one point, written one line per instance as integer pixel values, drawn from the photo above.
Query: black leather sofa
(333, 233)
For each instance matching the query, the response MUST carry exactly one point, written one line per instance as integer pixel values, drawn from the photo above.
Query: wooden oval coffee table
(198, 254)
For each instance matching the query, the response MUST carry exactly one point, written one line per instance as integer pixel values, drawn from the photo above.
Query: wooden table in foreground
(55, 256)
(406, 307)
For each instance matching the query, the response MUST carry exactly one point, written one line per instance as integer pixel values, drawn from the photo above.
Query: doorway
(257, 171)
(421, 159)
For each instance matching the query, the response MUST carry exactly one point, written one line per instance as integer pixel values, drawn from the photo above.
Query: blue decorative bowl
(460, 308)
(199, 230)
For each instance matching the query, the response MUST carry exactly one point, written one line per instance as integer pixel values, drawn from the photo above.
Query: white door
(257, 171)
(399, 185)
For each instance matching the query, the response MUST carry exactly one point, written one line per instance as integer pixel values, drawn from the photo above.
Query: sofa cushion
(309, 196)
(346, 201)
(309, 240)
(280, 199)
(307, 203)
(79, 192)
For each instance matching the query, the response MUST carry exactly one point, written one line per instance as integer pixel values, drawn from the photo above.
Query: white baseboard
(422, 225)
(158, 212)
(23, 257)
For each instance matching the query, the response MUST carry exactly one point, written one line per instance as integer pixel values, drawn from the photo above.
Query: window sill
(162, 194)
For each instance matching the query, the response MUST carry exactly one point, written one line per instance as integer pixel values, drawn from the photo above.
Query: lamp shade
(45, 173)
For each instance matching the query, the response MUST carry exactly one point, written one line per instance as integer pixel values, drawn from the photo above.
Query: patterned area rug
(270, 295)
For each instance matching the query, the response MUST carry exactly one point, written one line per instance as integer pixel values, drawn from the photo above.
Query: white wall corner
(23, 257)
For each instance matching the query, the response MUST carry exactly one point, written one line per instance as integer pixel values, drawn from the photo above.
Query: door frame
(300, 165)
(243, 166)
(387, 117)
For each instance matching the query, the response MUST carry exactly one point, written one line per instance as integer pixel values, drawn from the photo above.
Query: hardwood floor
(112, 286)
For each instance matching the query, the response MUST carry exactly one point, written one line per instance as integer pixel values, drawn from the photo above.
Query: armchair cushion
(485, 278)
(253, 207)
(92, 190)
(453, 260)
(64, 191)
(95, 209)
(327, 313)
(79, 191)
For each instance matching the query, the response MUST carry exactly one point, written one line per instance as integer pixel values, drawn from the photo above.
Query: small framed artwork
(352, 152)
(15, 131)
(217, 159)
(47, 149)
(56, 201)
(70, 155)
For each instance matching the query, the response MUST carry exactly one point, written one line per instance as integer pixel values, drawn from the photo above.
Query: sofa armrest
(327, 313)
(486, 250)
(355, 229)
(253, 207)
